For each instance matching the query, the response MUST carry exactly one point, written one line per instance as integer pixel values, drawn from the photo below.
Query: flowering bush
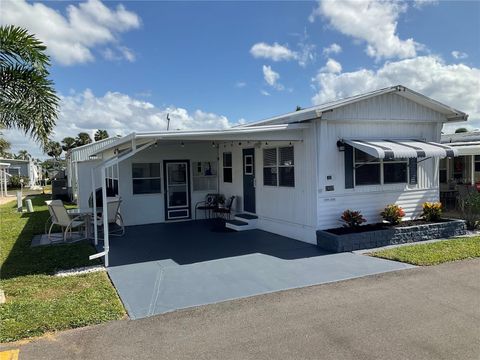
(393, 214)
(352, 218)
(432, 211)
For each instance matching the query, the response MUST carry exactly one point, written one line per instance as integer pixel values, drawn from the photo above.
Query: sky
(123, 66)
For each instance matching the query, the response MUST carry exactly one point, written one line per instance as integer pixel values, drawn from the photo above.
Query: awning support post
(105, 215)
(94, 198)
(472, 172)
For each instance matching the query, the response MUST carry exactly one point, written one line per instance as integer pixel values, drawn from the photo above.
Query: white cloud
(119, 114)
(332, 49)
(332, 66)
(371, 21)
(240, 84)
(421, 3)
(275, 52)
(459, 55)
(70, 39)
(271, 77)
(456, 85)
(264, 93)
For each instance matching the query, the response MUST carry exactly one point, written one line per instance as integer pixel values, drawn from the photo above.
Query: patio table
(87, 214)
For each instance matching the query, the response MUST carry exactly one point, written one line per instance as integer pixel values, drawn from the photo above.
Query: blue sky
(123, 65)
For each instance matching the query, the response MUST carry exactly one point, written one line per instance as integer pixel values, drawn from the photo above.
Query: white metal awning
(400, 149)
(466, 148)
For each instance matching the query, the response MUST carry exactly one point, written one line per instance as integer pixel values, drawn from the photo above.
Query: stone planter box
(401, 235)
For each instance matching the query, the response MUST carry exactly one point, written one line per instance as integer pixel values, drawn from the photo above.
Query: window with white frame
(227, 167)
(373, 171)
(204, 175)
(279, 166)
(146, 178)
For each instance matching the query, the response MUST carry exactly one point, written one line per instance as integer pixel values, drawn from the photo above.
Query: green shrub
(15, 182)
(432, 211)
(352, 218)
(471, 210)
(393, 214)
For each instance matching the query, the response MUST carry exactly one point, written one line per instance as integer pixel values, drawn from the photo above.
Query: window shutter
(348, 167)
(412, 171)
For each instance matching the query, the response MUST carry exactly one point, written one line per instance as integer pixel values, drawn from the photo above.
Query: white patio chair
(114, 217)
(59, 216)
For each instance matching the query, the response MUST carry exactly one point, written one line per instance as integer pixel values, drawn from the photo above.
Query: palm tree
(27, 98)
(4, 147)
(54, 149)
(23, 155)
(100, 135)
(83, 139)
(68, 143)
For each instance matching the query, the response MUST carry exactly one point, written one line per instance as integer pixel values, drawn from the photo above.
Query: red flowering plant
(393, 214)
(352, 218)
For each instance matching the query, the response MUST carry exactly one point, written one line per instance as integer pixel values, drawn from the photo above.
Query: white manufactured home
(296, 172)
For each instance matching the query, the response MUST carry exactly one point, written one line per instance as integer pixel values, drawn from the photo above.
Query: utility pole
(168, 121)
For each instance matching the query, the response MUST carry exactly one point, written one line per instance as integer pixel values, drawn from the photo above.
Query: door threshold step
(238, 225)
(247, 216)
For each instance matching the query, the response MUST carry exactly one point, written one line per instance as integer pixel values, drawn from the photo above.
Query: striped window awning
(400, 149)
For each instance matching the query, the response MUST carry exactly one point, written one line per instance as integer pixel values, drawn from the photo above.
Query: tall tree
(68, 143)
(83, 139)
(54, 149)
(27, 96)
(100, 135)
(23, 155)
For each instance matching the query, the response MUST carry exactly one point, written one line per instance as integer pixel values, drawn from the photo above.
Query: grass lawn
(38, 302)
(433, 253)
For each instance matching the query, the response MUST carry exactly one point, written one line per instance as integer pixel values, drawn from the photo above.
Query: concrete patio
(164, 267)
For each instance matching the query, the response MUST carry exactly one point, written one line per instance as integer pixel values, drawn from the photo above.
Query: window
(112, 180)
(371, 171)
(146, 178)
(279, 167)
(227, 167)
(477, 162)
(204, 175)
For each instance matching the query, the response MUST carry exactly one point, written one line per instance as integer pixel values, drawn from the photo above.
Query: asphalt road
(422, 313)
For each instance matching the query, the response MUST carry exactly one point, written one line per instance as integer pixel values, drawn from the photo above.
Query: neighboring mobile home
(297, 172)
(25, 168)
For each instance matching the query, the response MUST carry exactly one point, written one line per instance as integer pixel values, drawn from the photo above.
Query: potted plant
(352, 218)
(392, 214)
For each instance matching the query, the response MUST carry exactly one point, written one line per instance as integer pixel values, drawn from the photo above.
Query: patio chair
(226, 211)
(59, 216)
(208, 205)
(114, 217)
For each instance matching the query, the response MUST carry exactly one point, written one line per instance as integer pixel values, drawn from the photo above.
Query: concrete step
(238, 225)
(246, 216)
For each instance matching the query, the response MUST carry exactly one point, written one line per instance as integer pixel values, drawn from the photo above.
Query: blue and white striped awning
(401, 149)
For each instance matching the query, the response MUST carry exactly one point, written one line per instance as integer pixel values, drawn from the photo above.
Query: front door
(249, 180)
(177, 189)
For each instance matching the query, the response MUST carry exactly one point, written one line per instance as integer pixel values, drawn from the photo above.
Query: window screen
(146, 178)
(278, 167)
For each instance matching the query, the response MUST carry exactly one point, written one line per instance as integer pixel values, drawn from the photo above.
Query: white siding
(370, 200)
(84, 181)
(282, 210)
(385, 107)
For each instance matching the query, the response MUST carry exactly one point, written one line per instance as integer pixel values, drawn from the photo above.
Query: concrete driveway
(421, 313)
(164, 267)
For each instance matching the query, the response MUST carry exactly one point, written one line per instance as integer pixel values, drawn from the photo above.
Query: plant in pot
(352, 218)
(392, 214)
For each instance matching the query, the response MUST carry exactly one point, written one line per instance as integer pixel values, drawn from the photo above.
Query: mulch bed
(381, 226)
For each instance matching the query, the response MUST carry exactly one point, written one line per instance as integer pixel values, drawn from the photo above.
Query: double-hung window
(146, 178)
(279, 166)
(227, 167)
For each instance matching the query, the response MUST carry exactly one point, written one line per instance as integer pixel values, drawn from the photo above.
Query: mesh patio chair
(226, 211)
(208, 205)
(114, 217)
(59, 216)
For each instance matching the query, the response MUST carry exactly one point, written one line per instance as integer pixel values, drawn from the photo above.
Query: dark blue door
(249, 180)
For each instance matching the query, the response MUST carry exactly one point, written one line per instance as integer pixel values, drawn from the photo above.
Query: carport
(164, 267)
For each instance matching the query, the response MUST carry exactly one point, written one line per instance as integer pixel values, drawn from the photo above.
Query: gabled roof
(315, 112)
(83, 152)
